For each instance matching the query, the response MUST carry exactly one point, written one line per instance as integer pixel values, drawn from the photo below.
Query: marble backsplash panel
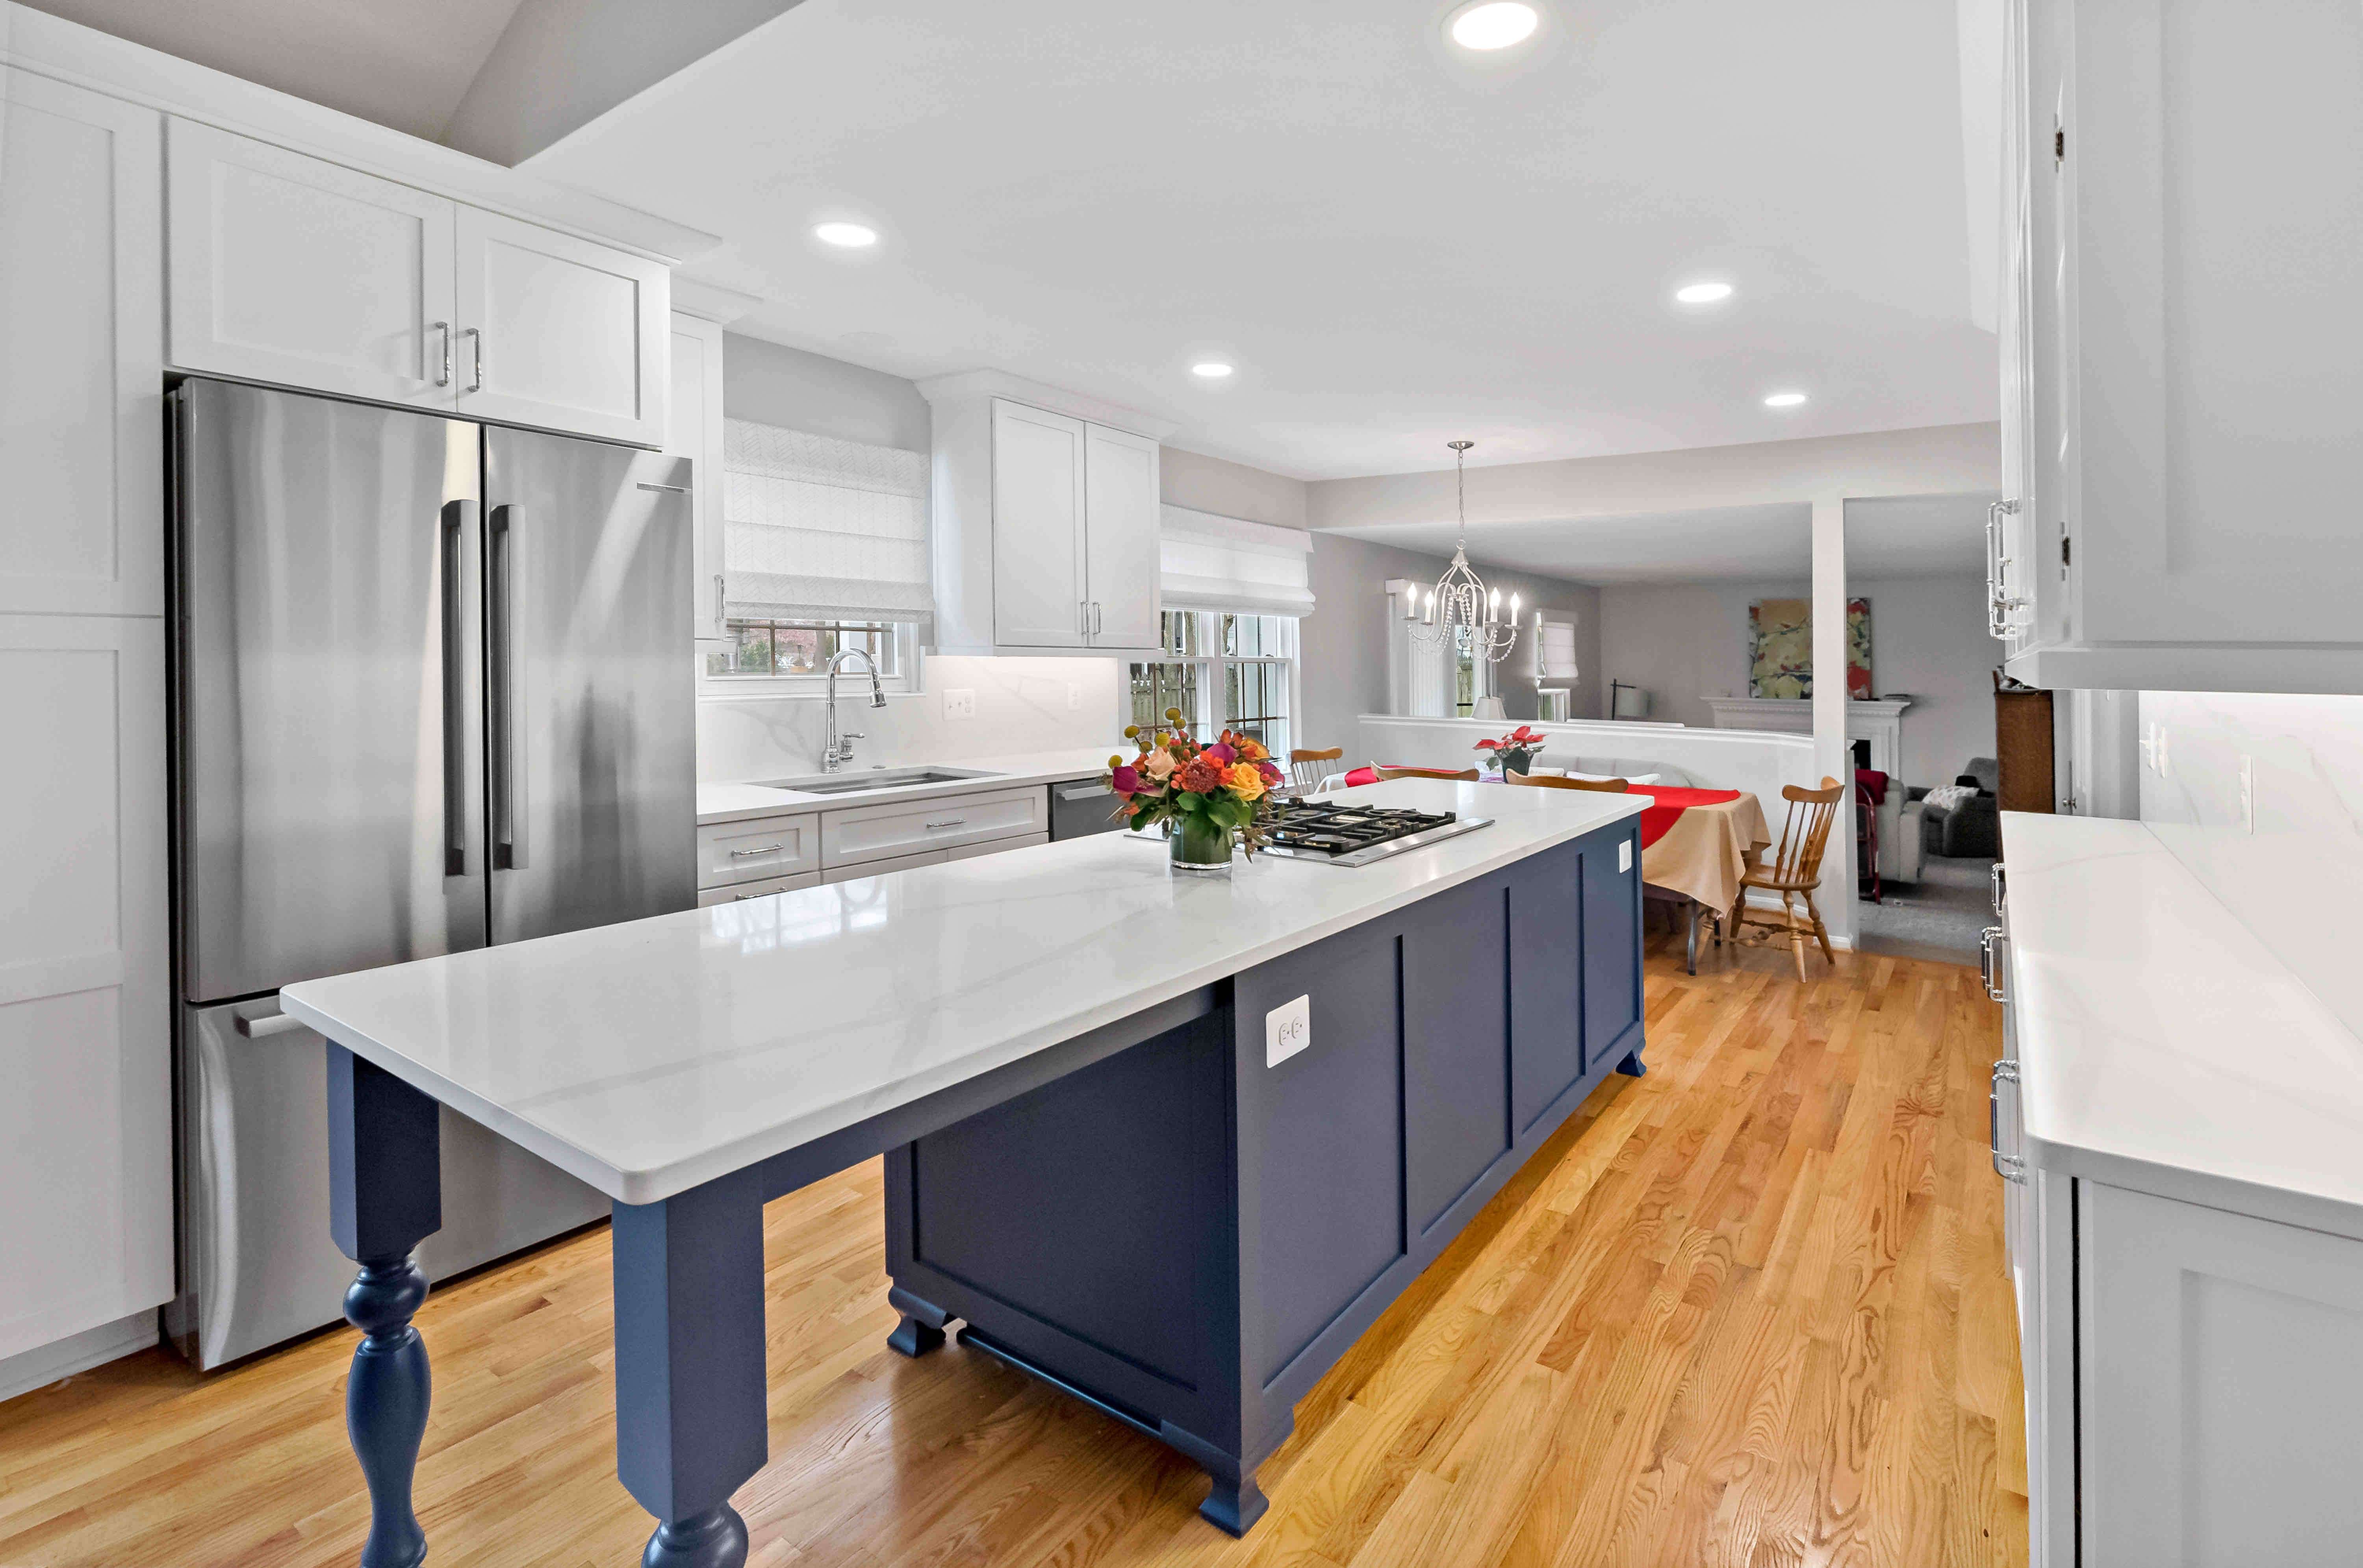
(2290, 866)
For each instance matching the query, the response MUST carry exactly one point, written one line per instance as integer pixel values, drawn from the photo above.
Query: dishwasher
(1082, 806)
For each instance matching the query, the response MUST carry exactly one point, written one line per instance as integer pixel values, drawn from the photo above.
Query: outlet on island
(960, 703)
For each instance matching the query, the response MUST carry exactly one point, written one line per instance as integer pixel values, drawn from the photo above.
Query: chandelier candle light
(1471, 617)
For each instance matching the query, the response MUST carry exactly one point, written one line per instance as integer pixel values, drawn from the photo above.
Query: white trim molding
(1037, 394)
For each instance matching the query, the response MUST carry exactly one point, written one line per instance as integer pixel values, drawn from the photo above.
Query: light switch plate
(960, 703)
(1624, 856)
(1287, 1028)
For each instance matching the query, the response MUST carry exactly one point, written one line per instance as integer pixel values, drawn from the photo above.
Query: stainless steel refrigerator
(432, 690)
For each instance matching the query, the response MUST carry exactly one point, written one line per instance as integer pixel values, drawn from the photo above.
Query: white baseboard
(45, 1364)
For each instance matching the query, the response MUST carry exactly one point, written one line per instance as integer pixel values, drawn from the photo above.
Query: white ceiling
(1889, 537)
(1397, 246)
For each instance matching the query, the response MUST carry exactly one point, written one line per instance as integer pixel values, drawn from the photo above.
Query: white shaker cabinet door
(2222, 1393)
(1039, 599)
(288, 269)
(561, 334)
(82, 373)
(86, 1037)
(693, 430)
(1121, 510)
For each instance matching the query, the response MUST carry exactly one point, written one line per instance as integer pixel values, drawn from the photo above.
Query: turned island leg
(385, 1190)
(691, 1421)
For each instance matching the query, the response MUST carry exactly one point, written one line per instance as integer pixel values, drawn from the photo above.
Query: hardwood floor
(1750, 1310)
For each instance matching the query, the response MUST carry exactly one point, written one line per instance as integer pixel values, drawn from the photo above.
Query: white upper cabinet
(297, 271)
(1046, 521)
(1121, 510)
(300, 273)
(2185, 387)
(1039, 599)
(560, 333)
(81, 372)
(693, 430)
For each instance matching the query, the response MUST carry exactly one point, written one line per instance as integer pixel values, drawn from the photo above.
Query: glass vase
(1199, 847)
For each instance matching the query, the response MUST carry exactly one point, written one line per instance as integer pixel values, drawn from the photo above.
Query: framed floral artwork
(1781, 647)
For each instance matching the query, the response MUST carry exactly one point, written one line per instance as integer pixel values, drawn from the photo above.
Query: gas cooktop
(1346, 834)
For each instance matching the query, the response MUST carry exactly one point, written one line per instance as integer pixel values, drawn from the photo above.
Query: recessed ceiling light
(1702, 293)
(846, 235)
(1494, 24)
(1212, 369)
(1785, 400)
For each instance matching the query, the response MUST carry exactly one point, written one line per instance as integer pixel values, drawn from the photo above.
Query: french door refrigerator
(432, 690)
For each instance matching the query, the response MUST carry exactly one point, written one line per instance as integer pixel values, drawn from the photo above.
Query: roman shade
(1209, 562)
(816, 528)
(1555, 652)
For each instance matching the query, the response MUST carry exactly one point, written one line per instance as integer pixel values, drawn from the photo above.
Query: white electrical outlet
(1287, 1028)
(2247, 794)
(1624, 856)
(960, 703)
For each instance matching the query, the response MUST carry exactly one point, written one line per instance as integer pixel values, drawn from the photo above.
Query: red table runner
(1673, 800)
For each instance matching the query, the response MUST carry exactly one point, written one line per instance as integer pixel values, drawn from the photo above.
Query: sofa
(1968, 825)
(1617, 768)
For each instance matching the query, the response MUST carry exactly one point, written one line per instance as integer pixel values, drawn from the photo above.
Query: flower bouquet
(1209, 795)
(1515, 751)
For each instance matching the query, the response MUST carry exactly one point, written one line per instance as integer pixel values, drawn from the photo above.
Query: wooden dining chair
(1386, 773)
(1304, 768)
(1794, 871)
(1545, 781)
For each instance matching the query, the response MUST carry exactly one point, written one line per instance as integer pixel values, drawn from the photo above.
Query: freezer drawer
(256, 1265)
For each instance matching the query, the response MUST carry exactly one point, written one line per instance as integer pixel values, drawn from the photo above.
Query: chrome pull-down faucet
(837, 749)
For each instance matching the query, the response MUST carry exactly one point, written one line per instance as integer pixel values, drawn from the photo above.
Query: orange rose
(1243, 779)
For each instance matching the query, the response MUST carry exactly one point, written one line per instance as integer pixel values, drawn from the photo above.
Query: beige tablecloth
(1707, 850)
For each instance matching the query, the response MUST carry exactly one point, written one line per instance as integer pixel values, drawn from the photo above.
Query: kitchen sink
(875, 779)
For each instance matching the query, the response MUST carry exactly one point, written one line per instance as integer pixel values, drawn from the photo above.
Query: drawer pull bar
(741, 898)
(264, 1027)
(1989, 963)
(947, 823)
(759, 849)
(2010, 1167)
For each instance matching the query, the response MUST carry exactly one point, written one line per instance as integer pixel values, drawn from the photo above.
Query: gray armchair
(1971, 827)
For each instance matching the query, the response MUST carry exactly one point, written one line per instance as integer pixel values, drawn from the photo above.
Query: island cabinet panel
(1189, 1232)
(1456, 1005)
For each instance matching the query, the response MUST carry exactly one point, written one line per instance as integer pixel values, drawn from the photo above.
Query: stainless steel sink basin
(875, 779)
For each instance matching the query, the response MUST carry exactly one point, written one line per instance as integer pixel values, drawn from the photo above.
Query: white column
(1830, 757)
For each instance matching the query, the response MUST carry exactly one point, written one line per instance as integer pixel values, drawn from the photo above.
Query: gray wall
(773, 384)
(1684, 642)
(1230, 490)
(1343, 644)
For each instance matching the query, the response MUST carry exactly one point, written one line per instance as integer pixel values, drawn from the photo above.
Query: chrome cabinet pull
(1998, 888)
(1098, 626)
(759, 849)
(1083, 617)
(741, 898)
(2010, 1167)
(444, 378)
(947, 823)
(668, 489)
(1989, 963)
(475, 358)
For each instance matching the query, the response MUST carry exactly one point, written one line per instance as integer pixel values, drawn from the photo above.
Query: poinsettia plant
(1515, 750)
(1224, 785)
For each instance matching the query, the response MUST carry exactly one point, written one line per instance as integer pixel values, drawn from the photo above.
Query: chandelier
(1459, 609)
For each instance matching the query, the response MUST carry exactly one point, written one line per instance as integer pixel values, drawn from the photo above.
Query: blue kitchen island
(1171, 1144)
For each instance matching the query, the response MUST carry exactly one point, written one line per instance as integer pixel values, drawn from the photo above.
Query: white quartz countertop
(652, 1056)
(2162, 1046)
(738, 802)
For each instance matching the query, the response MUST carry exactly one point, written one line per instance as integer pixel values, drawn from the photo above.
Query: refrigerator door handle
(501, 620)
(454, 696)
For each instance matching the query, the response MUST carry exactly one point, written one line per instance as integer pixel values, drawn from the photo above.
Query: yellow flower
(1244, 780)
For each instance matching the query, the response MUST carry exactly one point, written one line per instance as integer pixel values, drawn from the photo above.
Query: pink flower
(1221, 755)
(1126, 781)
(1159, 764)
(1271, 771)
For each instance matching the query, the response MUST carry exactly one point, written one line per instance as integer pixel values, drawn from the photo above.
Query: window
(824, 548)
(1223, 671)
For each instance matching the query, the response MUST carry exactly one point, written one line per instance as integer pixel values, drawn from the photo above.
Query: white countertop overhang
(652, 1056)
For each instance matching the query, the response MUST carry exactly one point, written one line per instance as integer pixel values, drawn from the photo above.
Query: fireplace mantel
(1879, 720)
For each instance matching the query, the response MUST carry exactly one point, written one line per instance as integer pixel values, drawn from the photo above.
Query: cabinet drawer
(733, 892)
(761, 847)
(998, 846)
(880, 868)
(862, 833)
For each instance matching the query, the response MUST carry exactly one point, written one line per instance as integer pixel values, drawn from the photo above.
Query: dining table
(1696, 847)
